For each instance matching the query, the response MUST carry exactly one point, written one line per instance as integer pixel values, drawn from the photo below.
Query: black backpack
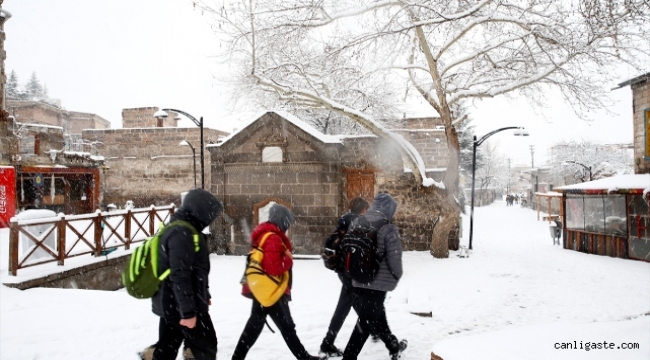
(332, 251)
(359, 256)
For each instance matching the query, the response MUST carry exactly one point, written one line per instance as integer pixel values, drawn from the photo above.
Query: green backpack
(140, 277)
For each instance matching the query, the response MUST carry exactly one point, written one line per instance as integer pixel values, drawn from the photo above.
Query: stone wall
(36, 142)
(78, 121)
(428, 136)
(143, 118)
(103, 275)
(36, 112)
(641, 105)
(39, 112)
(308, 182)
(148, 166)
(313, 183)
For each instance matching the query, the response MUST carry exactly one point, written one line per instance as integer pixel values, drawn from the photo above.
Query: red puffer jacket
(275, 261)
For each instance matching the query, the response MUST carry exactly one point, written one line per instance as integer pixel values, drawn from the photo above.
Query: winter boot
(147, 354)
(401, 346)
(330, 350)
(187, 354)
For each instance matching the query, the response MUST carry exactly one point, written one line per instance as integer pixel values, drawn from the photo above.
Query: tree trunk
(449, 207)
(446, 225)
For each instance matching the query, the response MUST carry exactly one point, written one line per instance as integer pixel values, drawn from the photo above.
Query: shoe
(330, 350)
(187, 354)
(401, 347)
(147, 354)
(375, 338)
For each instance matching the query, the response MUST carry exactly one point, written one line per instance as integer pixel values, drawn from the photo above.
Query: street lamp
(161, 114)
(520, 131)
(588, 168)
(187, 143)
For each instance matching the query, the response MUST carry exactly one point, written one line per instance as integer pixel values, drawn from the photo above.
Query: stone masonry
(641, 114)
(312, 181)
(147, 165)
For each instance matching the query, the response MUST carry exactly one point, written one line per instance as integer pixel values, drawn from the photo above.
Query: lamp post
(187, 143)
(476, 143)
(161, 114)
(588, 168)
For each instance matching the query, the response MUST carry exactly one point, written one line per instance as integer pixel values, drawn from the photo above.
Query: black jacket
(184, 293)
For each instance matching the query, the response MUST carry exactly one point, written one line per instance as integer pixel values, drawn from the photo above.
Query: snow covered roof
(620, 184)
(638, 79)
(290, 118)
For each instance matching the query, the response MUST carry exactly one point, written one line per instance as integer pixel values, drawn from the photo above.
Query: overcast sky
(103, 56)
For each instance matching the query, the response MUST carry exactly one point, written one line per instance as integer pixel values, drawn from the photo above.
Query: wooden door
(361, 184)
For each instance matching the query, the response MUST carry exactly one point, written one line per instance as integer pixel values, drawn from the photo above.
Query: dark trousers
(369, 305)
(202, 339)
(343, 308)
(281, 316)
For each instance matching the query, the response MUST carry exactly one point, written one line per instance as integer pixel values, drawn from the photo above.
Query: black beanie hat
(202, 205)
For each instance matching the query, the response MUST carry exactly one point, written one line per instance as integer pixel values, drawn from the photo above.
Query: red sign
(7, 195)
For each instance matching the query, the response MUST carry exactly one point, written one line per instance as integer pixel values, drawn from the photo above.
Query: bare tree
(584, 160)
(493, 170)
(349, 56)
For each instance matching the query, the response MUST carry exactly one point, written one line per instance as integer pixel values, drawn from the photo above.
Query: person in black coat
(183, 298)
(369, 297)
(358, 206)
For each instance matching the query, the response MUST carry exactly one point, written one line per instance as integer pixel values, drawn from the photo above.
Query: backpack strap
(195, 238)
(263, 240)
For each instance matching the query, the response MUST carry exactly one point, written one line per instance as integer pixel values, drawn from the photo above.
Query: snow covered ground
(516, 297)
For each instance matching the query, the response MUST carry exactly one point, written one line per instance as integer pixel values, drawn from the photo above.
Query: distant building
(144, 161)
(34, 112)
(640, 86)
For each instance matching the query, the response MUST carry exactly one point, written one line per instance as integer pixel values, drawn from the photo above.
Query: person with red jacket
(277, 260)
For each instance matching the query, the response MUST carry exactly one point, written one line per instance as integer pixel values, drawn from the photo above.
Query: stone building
(641, 116)
(278, 158)
(144, 161)
(50, 114)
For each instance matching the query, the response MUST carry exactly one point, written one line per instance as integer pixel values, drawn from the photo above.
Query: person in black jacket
(369, 298)
(358, 206)
(183, 298)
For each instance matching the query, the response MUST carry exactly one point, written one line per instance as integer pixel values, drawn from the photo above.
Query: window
(263, 214)
(272, 154)
(597, 214)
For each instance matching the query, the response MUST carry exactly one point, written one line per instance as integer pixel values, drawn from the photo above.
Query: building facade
(641, 117)
(144, 161)
(278, 158)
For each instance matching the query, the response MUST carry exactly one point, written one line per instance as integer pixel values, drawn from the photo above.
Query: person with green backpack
(182, 299)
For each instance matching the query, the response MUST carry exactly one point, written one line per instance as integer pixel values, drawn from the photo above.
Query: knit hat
(385, 204)
(281, 216)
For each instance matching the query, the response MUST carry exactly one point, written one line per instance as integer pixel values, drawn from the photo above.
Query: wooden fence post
(13, 248)
(61, 239)
(127, 230)
(152, 220)
(98, 232)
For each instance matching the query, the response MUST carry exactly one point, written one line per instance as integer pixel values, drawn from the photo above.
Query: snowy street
(516, 297)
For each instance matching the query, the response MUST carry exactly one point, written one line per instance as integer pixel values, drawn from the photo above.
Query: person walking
(277, 260)
(369, 297)
(183, 298)
(358, 206)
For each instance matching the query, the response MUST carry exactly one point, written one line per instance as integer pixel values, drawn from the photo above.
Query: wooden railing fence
(39, 241)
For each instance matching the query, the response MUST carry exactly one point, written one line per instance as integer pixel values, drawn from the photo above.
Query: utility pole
(532, 156)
